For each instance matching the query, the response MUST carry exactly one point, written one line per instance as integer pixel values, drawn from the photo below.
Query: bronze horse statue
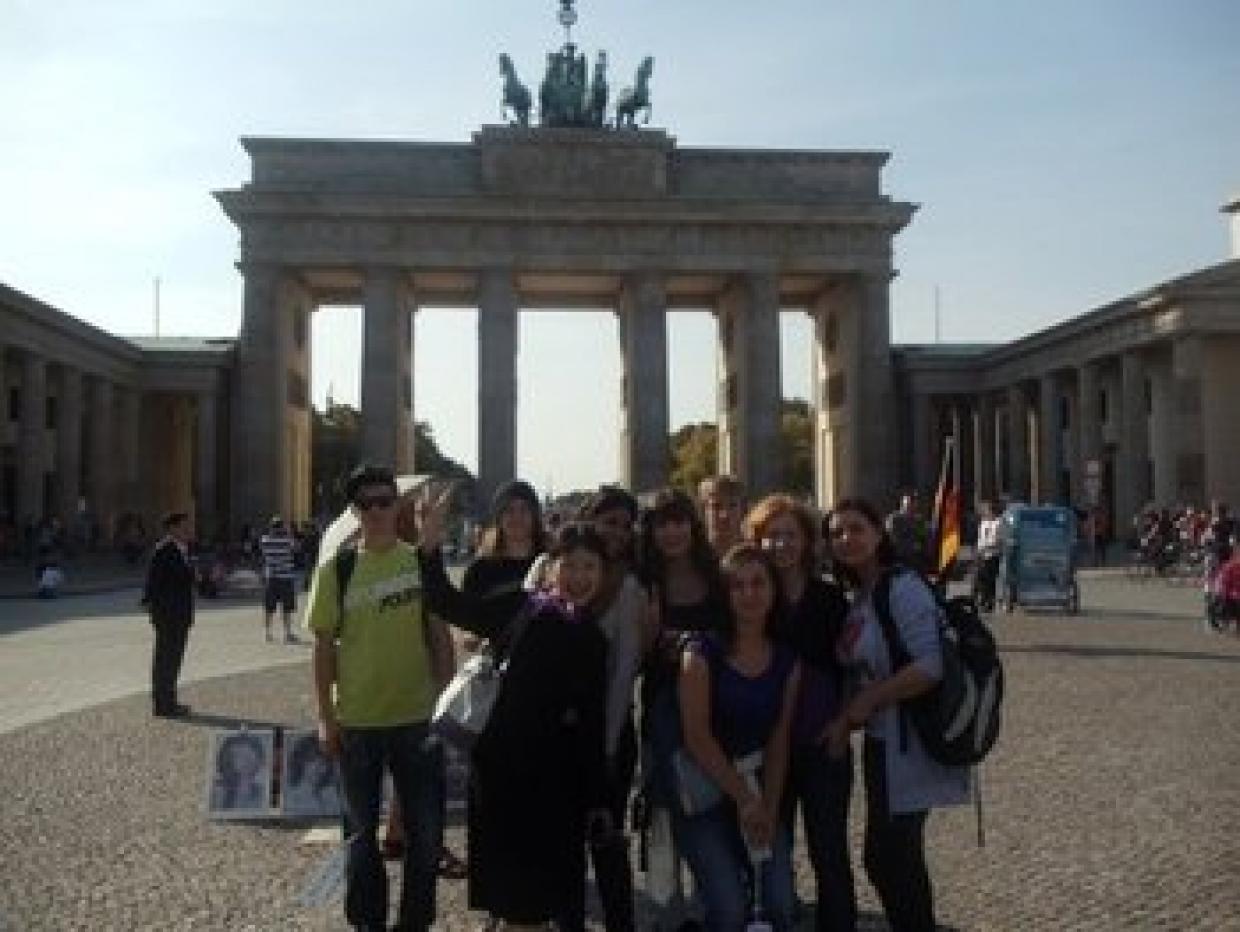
(635, 98)
(516, 95)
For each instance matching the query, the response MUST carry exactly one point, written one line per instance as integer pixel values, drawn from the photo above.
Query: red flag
(945, 521)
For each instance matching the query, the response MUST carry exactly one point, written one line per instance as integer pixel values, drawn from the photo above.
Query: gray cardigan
(915, 782)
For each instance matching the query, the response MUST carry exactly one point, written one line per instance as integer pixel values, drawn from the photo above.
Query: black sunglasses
(366, 502)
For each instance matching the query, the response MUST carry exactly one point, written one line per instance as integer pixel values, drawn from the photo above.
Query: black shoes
(176, 710)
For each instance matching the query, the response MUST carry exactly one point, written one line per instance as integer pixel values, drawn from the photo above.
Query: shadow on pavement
(1079, 650)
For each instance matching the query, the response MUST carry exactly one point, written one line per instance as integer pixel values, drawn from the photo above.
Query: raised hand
(431, 512)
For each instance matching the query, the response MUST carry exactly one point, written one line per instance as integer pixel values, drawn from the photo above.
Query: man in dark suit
(169, 596)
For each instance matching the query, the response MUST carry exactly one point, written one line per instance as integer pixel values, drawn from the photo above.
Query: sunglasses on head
(366, 502)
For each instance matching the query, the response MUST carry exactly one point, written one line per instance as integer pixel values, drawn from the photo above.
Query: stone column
(644, 449)
(259, 400)
(876, 476)
(1088, 427)
(384, 342)
(1190, 463)
(750, 391)
(69, 444)
(1132, 459)
(984, 466)
(31, 439)
(1163, 431)
(497, 382)
(1018, 443)
(1050, 440)
(128, 492)
(924, 431)
(206, 463)
(102, 498)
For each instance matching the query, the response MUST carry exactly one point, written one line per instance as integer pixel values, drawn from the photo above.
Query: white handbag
(464, 707)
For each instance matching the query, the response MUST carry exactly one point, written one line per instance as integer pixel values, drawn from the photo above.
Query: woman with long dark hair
(621, 608)
(819, 783)
(737, 695)
(681, 574)
(902, 782)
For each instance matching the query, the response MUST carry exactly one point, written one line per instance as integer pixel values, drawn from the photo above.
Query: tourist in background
(907, 532)
(737, 693)
(722, 503)
(169, 597)
(902, 782)
(989, 555)
(819, 782)
(276, 548)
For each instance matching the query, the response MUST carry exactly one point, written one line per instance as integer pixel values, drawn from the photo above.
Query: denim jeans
(416, 761)
(822, 786)
(712, 845)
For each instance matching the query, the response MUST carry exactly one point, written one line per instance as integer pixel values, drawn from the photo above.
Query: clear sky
(1063, 154)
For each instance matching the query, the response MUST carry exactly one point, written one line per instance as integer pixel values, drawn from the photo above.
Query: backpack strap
(900, 657)
(344, 563)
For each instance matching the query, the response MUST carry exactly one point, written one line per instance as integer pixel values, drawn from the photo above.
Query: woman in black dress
(538, 784)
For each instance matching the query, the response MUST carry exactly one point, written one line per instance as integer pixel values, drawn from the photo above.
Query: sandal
(451, 867)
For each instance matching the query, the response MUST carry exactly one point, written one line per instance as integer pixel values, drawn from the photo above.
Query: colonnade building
(1134, 401)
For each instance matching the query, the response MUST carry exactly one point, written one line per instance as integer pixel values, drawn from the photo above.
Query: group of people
(687, 655)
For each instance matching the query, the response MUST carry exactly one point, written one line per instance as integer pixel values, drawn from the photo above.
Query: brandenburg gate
(576, 216)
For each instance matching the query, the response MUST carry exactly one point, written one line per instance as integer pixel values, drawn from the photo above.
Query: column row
(852, 384)
(67, 441)
(1115, 432)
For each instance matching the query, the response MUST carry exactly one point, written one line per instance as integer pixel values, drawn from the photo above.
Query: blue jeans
(712, 845)
(417, 764)
(822, 786)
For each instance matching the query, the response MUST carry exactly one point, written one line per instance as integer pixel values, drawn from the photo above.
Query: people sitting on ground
(538, 788)
(819, 784)
(902, 782)
(50, 579)
(737, 692)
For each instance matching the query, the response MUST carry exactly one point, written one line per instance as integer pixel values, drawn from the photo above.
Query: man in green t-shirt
(375, 691)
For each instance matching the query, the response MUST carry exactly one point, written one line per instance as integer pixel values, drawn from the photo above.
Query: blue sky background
(1063, 154)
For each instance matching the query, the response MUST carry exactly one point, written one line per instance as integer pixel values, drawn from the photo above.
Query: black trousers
(170, 640)
(821, 787)
(895, 851)
(613, 869)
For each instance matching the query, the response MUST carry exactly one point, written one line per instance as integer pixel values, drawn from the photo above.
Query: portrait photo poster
(309, 782)
(241, 768)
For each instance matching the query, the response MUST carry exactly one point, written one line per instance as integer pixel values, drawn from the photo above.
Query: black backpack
(957, 720)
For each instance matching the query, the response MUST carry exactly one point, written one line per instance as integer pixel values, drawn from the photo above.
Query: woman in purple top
(819, 783)
(737, 693)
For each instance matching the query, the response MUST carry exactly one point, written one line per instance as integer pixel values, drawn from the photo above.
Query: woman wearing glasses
(818, 782)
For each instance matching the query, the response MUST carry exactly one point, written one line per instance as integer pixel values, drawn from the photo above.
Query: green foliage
(335, 437)
(695, 451)
(695, 455)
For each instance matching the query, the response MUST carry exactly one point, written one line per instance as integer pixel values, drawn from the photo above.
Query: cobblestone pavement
(1112, 801)
(70, 653)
